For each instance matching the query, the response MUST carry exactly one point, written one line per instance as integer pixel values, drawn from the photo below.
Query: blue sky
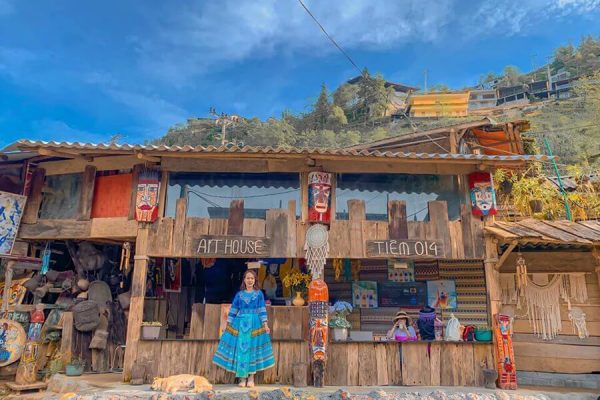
(84, 71)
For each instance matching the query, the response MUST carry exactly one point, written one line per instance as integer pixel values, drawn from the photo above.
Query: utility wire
(329, 37)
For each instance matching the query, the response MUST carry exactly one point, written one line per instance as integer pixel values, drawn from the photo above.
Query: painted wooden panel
(112, 195)
(62, 197)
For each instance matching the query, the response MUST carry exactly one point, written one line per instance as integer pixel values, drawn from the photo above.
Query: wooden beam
(55, 229)
(146, 157)
(505, 255)
(63, 154)
(8, 275)
(235, 225)
(453, 141)
(397, 223)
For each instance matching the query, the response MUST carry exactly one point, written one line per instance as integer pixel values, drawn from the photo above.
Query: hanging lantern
(521, 271)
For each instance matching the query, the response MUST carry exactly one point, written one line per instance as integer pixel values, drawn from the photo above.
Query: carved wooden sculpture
(318, 298)
(507, 370)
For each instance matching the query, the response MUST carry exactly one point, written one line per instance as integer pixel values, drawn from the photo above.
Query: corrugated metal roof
(90, 148)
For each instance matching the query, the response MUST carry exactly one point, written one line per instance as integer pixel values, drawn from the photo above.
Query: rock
(62, 384)
(377, 395)
(340, 395)
(278, 394)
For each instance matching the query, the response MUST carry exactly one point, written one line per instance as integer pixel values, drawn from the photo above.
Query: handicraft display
(11, 210)
(507, 370)
(364, 294)
(27, 369)
(146, 200)
(318, 299)
(542, 301)
(399, 271)
(319, 196)
(483, 195)
(441, 294)
(12, 340)
(172, 275)
(317, 249)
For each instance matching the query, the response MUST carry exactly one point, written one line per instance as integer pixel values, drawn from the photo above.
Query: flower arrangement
(296, 281)
(339, 310)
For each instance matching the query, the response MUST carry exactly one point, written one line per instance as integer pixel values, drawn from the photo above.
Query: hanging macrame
(317, 249)
(578, 287)
(508, 289)
(543, 305)
(577, 318)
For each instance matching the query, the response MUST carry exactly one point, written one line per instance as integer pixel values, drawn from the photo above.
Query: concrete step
(584, 381)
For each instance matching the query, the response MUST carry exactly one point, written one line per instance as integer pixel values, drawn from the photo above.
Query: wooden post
(7, 284)
(162, 192)
(453, 141)
(304, 196)
(235, 226)
(34, 200)
(87, 193)
(492, 276)
(136, 305)
(397, 224)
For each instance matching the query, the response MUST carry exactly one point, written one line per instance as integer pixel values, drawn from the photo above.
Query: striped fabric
(469, 277)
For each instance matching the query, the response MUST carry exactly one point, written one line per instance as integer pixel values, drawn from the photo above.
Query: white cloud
(505, 17)
(192, 39)
(14, 61)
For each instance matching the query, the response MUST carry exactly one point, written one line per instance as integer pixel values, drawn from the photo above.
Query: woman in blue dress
(245, 346)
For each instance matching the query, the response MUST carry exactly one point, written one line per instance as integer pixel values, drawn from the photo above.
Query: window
(210, 194)
(416, 190)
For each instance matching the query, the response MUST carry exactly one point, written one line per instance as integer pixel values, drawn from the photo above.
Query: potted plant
(297, 282)
(75, 367)
(338, 323)
(151, 329)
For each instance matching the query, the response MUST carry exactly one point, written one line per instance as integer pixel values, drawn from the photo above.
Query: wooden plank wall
(351, 364)
(462, 238)
(566, 353)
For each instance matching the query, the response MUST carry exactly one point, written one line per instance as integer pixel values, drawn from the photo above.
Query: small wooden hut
(387, 208)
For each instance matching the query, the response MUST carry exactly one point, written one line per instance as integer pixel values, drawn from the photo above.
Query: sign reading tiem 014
(406, 248)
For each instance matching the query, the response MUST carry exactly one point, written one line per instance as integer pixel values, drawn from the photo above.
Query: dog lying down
(179, 383)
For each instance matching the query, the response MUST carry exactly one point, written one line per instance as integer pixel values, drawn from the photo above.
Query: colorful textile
(426, 270)
(245, 347)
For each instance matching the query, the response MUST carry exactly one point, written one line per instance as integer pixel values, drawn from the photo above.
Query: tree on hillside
(510, 76)
(321, 110)
(439, 87)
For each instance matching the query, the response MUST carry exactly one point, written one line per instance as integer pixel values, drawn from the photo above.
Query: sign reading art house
(406, 248)
(233, 246)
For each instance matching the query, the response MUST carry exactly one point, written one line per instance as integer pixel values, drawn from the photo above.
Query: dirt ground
(110, 387)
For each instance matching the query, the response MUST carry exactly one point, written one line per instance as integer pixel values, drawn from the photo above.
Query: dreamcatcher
(317, 249)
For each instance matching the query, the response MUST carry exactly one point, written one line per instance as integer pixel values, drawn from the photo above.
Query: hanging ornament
(208, 262)
(521, 272)
(337, 268)
(46, 254)
(124, 265)
(577, 318)
(317, 249)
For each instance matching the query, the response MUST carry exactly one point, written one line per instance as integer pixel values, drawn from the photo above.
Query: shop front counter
(350, 363)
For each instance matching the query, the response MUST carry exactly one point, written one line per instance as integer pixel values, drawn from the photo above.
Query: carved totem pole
(507, 371)
(317, 251)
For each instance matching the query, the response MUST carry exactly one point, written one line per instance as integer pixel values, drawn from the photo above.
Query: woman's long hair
(250, 271)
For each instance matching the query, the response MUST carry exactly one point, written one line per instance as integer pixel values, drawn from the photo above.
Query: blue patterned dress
(245, 346)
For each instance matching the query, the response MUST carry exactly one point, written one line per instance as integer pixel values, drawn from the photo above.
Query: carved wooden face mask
(319, 196)
(483, 195)
(146, 203)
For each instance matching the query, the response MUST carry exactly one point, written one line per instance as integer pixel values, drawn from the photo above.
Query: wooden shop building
(237, 205)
